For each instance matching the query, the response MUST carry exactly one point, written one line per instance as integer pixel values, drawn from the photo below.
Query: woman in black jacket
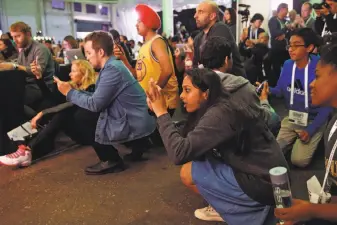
(225, 148)
(83, 78)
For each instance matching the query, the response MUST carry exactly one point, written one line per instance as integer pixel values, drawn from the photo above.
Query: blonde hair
(89, 75)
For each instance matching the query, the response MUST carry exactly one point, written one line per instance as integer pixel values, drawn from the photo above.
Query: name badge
(298, 118)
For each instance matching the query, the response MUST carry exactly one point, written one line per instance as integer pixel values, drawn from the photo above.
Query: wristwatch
(15, 66)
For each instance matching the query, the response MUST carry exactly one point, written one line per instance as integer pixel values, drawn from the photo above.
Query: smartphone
(260, 88)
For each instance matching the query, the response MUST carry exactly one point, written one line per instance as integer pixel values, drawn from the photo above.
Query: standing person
(30, 50)
(306, 13)
(326, 20)
(207, 19)
(323, 94)
(230, 20)
(303, 129)
(278, 30)
(155, 59)
(120, 102)
(225, 148)
(250, 36)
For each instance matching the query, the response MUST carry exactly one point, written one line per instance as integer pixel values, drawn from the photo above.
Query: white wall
(28, 11)
(58, 23)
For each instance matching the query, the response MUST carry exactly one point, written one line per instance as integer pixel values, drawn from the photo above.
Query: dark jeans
(83, 129)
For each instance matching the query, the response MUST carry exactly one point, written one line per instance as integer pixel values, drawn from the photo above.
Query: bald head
(207, 13)
(213, 7)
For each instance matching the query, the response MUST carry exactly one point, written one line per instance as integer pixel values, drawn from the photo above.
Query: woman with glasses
(303, 128)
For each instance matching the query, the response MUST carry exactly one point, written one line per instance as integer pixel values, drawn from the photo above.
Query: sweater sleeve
(213, 128)
(320, 120)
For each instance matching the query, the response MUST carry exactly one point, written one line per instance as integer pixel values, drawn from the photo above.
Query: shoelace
(210, 209)
(18, 153)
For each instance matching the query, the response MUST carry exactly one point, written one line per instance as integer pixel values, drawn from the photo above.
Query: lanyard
(332, 131)
(281, 23)
(327, 170)
(305, 85)
(251, 33)
(323, 31)
(306, 23)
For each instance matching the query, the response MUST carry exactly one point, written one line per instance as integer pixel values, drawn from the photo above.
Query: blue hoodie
(318, 115)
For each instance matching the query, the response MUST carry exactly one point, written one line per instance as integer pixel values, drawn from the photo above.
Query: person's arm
(320, 119)
(106, 91)
(305, 211)
(42, 55)
(162, 54)
(196, 54)
(213, 128)
(274, 28)
(57, 108)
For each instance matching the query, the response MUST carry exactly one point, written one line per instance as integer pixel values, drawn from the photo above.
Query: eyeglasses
(294, 47)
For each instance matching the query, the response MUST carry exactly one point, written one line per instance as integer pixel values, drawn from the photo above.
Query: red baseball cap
(148, 16)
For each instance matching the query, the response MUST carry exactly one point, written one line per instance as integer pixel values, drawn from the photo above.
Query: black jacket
(329, 20)
(276, 30)
(222, 30)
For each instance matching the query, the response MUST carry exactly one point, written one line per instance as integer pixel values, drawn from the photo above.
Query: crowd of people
(120, 93)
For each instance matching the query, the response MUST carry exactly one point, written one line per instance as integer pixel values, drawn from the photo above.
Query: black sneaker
(105, 167)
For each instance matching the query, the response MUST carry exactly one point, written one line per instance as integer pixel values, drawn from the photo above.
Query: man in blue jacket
(119, 100)
(303, 128)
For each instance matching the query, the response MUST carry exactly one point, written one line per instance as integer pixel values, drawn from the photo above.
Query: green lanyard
(281, 23)
(306, 23)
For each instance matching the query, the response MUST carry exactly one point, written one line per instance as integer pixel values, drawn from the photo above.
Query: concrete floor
(56, 191)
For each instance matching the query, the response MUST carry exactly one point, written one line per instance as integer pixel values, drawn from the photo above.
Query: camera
(244, 13)
(318, 6)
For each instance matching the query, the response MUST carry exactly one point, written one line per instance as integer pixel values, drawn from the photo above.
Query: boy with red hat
(155, 58)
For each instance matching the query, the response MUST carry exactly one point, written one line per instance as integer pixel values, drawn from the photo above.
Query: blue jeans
(218, 186)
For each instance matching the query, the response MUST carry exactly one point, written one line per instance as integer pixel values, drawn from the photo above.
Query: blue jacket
(318, 115)
(121, 102)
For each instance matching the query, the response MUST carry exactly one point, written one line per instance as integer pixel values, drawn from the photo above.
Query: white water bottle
(281, 187)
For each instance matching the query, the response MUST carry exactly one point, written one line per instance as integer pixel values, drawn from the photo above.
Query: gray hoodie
(244, 93)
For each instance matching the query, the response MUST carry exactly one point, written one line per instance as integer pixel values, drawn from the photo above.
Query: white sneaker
(22, 157)
(208, 214)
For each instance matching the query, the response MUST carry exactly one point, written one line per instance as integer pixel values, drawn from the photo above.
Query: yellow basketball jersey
(147, 66)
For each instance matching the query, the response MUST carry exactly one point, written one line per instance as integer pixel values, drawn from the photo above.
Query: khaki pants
(302, 153)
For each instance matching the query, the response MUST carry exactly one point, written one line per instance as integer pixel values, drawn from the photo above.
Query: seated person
(82, 78)
(323, 92)
(225, 148)
(120, 103)
(303, 129)
(8, 52)
(258, 64)
(30, 51)
(217, 56)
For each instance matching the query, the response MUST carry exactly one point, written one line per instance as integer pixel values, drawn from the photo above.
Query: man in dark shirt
(326, 20)
(30, 50)
(278, 31)
(207, 20)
